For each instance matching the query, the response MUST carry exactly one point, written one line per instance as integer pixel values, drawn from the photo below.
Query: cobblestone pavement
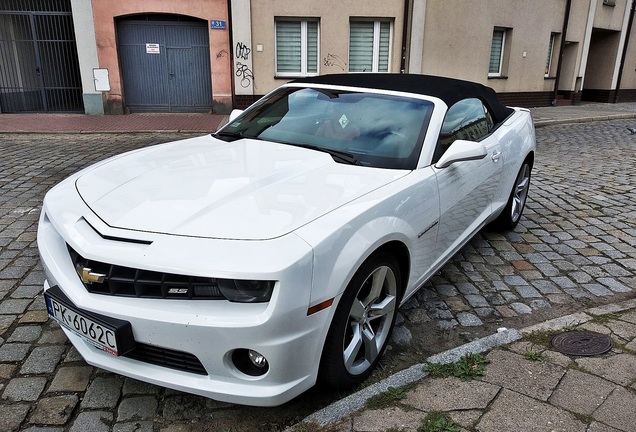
(575, 246)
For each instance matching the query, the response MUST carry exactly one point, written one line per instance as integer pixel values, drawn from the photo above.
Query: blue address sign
(218, 24)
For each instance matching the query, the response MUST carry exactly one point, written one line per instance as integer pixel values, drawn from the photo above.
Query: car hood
(204, 187)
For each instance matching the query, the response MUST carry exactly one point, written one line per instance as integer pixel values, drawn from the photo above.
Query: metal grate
(129, 282)
(39, 64)
(167, 358)
(35, 5)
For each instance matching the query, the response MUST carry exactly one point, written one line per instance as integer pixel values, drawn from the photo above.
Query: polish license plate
(114, 337)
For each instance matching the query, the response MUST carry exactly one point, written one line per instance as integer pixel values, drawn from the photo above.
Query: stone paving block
(528, 292)
(381, 420)
(7, 371)
(512, 411)
(103, 392)
(34, 317)
(11, 416)
(512, 371)
(137, 408)
(43, 429)
(451, 394)
(43, 359)
(141, 426)
(71, 379)
(620, 368)
(521, 308)
(11, 352)
(26, 291)
(619, 401)
(581, 393)
(136, 387)
(13, 306)
(600, 427)
(93, 421)
(469, 320)
(56, 410)
(24, 389)
(25, 334)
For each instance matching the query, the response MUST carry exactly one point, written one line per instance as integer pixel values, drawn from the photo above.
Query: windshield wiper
(231, 135)
(338, 155)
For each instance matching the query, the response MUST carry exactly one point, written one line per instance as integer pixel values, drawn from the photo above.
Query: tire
(362, 323)
(511, 214)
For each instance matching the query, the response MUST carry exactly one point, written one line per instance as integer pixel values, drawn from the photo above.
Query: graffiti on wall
(335, 61)
(243, 71)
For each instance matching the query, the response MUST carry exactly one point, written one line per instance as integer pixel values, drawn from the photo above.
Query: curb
(554, 122)
(345, 407)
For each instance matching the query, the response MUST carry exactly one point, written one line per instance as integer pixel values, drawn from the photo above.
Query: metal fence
(39, 66)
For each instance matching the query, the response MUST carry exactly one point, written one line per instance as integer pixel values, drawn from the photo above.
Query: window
(497, 52)
(468, 119)
(369, 46)
(296, 47)
(548, 64)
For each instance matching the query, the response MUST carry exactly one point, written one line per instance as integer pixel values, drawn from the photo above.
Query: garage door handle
(495, 156)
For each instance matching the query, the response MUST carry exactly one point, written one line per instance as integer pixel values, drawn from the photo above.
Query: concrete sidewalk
(204, 123)
(527, 385)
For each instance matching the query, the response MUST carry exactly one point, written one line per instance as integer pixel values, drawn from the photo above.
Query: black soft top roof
(449, 90)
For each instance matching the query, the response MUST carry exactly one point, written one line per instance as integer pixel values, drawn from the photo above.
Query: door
(165, 64)
(39, 65)
(467, 188)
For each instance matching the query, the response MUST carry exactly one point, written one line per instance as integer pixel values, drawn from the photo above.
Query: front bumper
(210, 330)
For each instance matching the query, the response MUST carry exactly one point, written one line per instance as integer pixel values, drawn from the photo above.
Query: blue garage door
(165, 64)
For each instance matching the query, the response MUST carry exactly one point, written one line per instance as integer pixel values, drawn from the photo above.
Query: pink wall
(105, 12)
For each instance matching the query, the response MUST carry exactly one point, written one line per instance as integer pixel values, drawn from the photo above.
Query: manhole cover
(581, 343)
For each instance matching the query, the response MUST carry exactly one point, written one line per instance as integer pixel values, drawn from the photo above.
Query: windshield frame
(422, 112)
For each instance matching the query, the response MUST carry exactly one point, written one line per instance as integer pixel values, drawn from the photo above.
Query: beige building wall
(610, 17)
(628, 80)
(458, 36)
(334, 17)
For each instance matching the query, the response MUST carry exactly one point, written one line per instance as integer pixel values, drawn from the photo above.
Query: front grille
(167, 358)
(129, 282)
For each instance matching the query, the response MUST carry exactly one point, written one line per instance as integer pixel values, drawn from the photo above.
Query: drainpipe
(557, 78)
(405, 30)
(624, 55)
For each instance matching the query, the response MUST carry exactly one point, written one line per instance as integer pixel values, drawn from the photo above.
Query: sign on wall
(218, 24)
(152, 48)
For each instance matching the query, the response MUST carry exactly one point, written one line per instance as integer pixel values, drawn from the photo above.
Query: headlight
(246, 291)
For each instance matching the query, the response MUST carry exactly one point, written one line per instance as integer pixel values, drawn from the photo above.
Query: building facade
(113, 57)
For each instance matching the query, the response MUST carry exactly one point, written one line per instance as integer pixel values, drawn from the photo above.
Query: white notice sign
(152, 48)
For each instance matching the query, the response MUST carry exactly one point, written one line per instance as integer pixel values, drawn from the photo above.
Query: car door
(466, 188)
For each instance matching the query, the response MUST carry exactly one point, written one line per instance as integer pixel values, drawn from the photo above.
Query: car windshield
(364, 128)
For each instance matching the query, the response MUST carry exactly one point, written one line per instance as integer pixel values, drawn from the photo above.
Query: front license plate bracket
(122, 330)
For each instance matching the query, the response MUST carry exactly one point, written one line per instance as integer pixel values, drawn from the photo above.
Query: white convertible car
(248, 264)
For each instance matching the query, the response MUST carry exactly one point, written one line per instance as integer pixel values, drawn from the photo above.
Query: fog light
(250, 362)
(257, 359)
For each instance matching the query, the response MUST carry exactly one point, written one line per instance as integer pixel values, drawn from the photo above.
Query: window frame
(499, 72)
(375, 62)
(304, 48)
(491, 126)
(551, 54)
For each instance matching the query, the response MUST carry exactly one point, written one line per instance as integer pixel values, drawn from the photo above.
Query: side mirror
(462, 150)
(234, 114)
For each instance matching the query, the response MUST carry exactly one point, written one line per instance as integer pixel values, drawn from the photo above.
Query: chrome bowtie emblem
(87, 276)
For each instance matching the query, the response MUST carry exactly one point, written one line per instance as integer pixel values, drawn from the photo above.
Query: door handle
(495, 156)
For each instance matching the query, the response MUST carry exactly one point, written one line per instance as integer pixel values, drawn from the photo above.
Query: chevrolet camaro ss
(248, 264)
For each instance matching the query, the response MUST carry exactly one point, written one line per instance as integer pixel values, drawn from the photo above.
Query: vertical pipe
(624, 54)
(566, 21)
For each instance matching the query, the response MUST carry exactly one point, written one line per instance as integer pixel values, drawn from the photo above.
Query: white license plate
(99, 335)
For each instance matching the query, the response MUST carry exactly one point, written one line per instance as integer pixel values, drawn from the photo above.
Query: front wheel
(362, 324)
(511, 214)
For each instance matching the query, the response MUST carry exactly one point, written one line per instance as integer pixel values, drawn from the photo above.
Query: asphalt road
(575, 247)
